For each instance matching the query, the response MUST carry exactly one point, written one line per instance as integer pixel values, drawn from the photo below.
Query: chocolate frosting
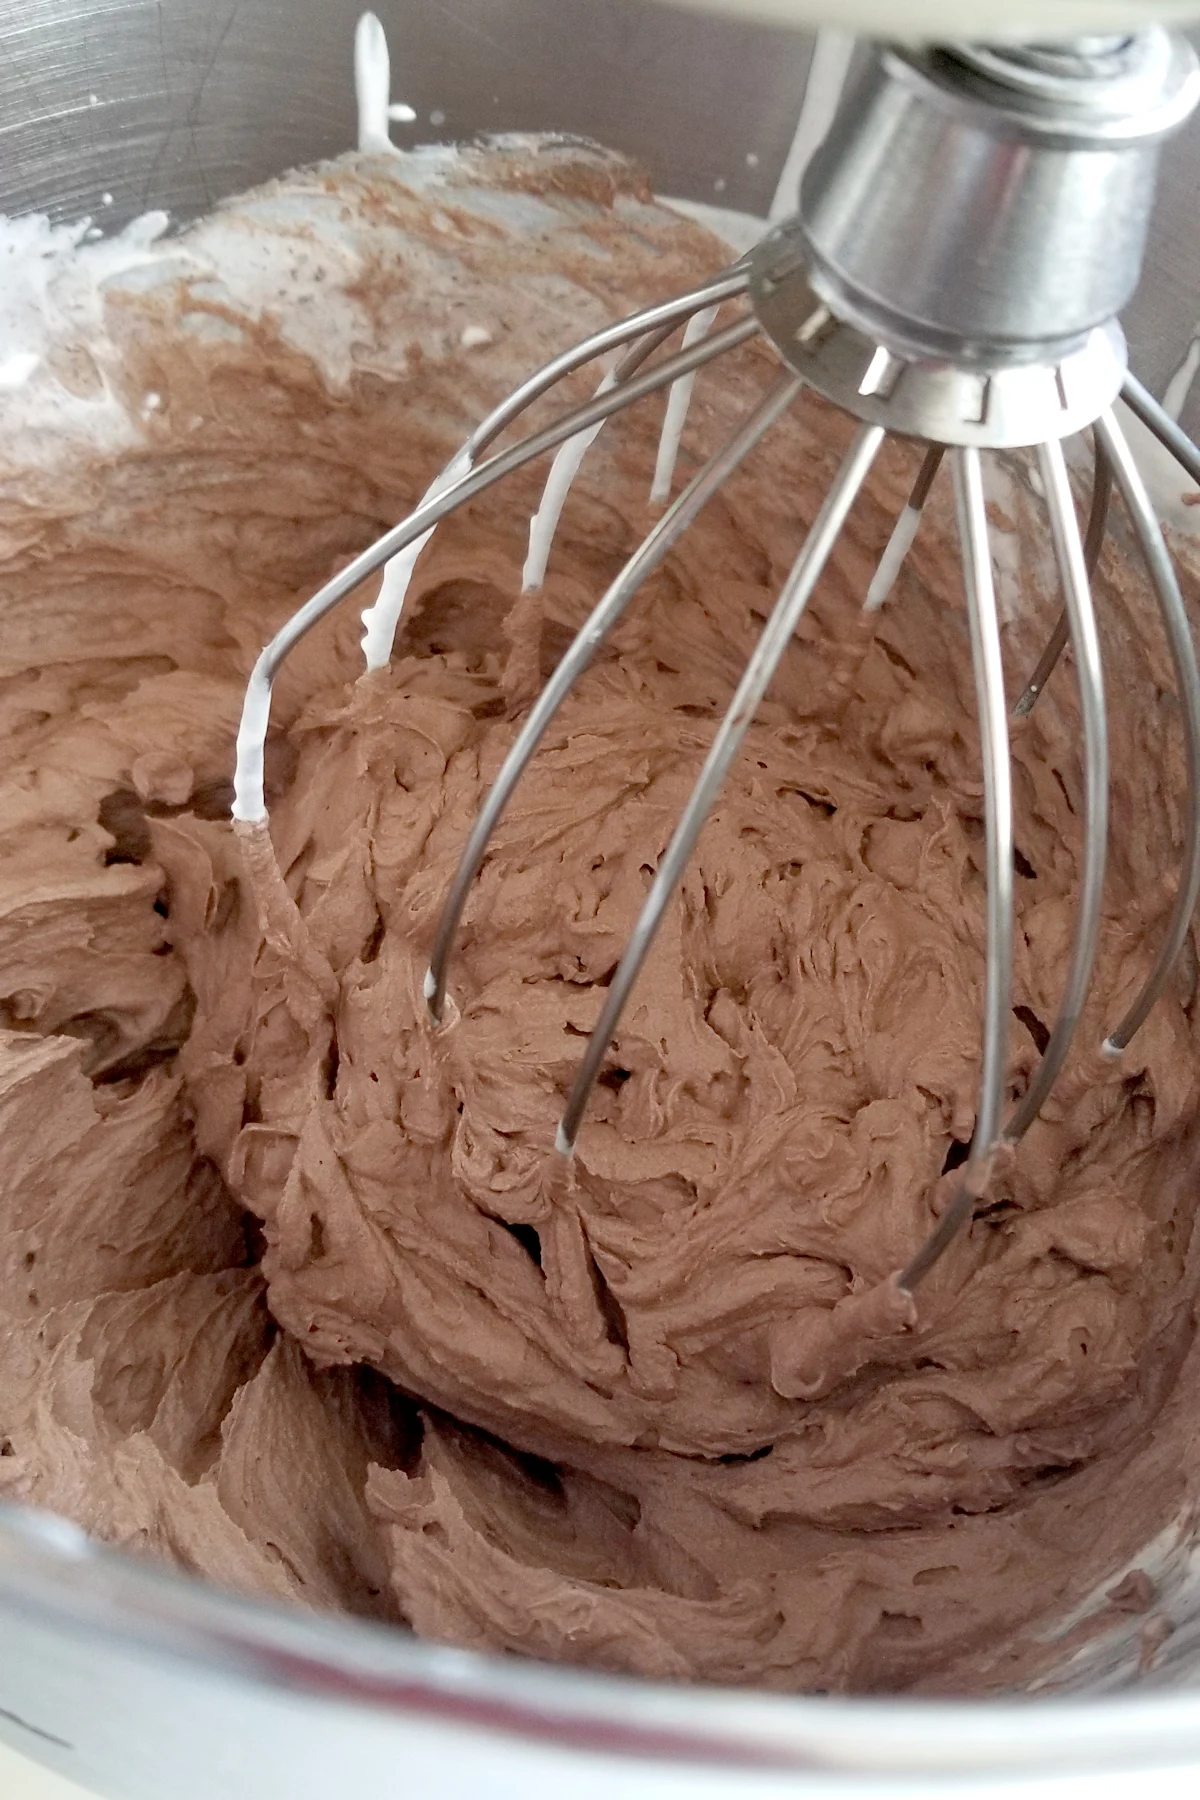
(294, 1290)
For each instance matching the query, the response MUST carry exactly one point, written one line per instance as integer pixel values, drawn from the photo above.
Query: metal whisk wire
(1114, 461)
(1102, 482)
(986, 659)
(1165, 583)
(1072, 565)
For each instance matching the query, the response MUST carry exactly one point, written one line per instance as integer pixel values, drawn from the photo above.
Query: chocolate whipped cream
(294, 1290)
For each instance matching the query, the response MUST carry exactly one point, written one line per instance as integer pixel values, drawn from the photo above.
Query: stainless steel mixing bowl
(147, 1686)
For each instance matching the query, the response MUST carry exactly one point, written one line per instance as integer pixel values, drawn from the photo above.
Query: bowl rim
(53, 1573)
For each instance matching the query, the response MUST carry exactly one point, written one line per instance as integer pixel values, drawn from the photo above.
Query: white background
(22, 1780)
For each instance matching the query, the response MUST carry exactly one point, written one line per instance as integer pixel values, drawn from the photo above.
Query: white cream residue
(563, 470)
(827, 74)
(383, 618)
(53, 282)
(1176, 393)
(373, 87)
(679, 401)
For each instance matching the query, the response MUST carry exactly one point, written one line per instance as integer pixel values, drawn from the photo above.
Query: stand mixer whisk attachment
(966, 237)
